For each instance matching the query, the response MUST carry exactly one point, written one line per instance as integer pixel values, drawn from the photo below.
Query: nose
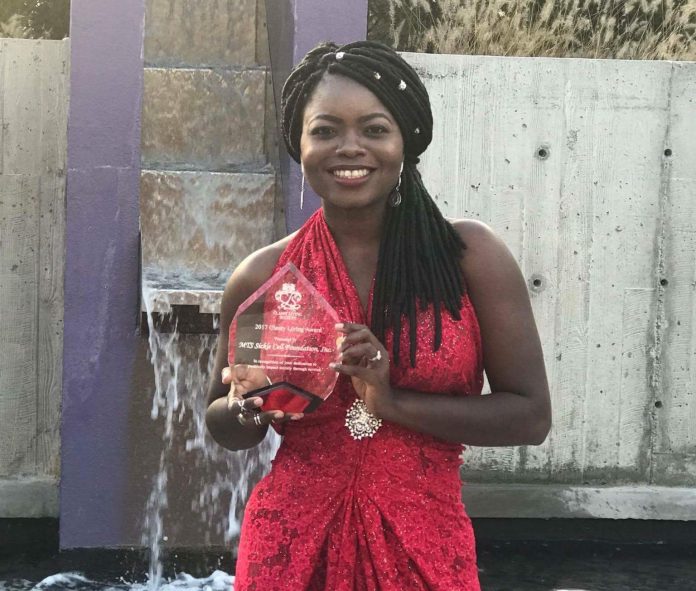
(350, 145)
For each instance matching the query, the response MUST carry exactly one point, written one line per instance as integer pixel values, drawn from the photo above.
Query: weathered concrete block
(28, 497)
(263, 52)
(200, 33)
(198, 226)
(203, 119)
(550, 500)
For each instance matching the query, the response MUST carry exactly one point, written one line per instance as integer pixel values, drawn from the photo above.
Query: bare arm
(222, 413)
(518, 412)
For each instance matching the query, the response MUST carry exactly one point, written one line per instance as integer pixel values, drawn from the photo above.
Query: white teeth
(351, 174)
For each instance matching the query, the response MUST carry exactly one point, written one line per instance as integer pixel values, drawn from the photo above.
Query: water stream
(182, 367)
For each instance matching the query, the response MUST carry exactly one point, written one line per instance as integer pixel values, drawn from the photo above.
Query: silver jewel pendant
(339, 55)
(360, 421)
(402, 85)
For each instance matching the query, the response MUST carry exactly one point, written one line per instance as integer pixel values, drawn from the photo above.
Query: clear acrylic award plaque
(285, 334)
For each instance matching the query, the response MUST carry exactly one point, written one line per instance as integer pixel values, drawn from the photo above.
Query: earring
(395, 195)
(302, 193)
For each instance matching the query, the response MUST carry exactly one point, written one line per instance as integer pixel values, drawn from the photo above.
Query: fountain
(179, 398)
(207, 199)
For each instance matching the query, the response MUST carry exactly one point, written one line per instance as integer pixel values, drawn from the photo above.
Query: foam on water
(218, 581)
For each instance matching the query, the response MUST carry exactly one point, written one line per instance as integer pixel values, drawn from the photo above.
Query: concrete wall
(33, 128)
(586, 169)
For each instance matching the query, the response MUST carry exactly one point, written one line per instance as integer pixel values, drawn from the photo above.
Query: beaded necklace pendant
(360, 421)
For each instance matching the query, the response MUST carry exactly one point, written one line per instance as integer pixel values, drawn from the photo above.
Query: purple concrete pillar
(101, 266)
(294, 27)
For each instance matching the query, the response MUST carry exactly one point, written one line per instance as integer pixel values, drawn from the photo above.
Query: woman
(375, 504)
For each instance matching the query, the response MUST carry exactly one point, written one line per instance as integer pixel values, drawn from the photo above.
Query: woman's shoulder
(259, 265)
(486, 260)
(470, 228)
(251, 273)
(478, 237)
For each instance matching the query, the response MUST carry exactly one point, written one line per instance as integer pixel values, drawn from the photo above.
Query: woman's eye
(322, 131)
(377, 130)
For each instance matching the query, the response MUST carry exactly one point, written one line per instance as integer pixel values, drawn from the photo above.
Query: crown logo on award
(286, 332)
(288, 297)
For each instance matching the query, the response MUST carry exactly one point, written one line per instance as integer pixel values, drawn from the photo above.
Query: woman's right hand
(244, 379)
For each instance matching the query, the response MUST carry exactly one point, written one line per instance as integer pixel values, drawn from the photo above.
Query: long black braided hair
(420, 251)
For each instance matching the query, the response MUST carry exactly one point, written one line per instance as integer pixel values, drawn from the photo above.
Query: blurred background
(35, 19)
(621, 29)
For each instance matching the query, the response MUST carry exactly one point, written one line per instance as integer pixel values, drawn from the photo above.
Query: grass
(14, 27)
(629, 29)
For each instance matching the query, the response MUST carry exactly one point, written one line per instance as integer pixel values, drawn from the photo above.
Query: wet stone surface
(203, 119)
(205, 32)
(203, 224)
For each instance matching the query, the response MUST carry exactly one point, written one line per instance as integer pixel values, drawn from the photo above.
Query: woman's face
(351, 148)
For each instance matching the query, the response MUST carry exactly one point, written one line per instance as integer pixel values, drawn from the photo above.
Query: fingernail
(225, 372)
(340, 326)
(278, 415)
(258, 401)
(296, 417)
(333, 365)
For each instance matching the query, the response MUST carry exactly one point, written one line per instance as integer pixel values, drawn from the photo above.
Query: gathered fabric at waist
(326, 460)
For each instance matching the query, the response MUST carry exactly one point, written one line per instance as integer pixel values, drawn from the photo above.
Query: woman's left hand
(366, 361)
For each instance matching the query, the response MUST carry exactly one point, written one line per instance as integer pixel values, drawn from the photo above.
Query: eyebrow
(362, 119)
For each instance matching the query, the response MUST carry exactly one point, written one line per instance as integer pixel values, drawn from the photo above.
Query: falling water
(182, 365)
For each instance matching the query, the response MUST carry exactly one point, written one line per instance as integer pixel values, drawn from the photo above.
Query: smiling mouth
(358, 173)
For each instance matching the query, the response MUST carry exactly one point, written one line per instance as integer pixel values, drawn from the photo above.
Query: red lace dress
(383, 513)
